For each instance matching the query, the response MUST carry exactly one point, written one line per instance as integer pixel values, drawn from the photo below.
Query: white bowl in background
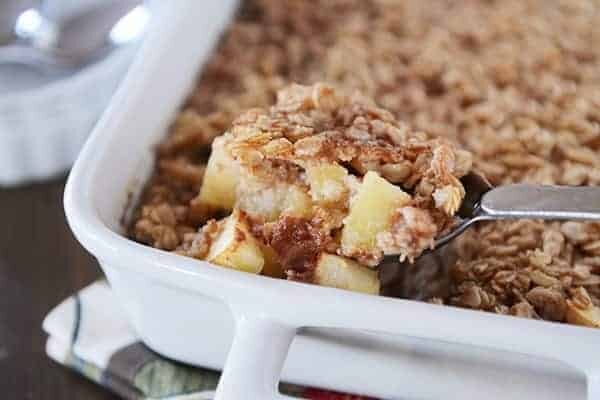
(46, 116)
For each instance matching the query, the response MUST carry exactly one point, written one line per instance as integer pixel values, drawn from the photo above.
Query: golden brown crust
(298, 245)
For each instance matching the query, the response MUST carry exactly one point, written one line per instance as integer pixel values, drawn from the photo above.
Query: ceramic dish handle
(255, 360)
(261, 344)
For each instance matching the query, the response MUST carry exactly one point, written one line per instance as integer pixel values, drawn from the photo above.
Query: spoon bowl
(75, 41)
(483, 202)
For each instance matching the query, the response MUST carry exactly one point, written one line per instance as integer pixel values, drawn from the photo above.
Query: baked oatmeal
(317, 188)
(514, 82)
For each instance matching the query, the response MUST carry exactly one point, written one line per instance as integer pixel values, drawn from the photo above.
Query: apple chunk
(583, 316)
(235, 247)
(370, 213)
(268, 201)
(343, 273)
(327, 182)
(218, 190)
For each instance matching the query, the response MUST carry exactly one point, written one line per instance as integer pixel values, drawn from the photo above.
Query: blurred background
(60, 63)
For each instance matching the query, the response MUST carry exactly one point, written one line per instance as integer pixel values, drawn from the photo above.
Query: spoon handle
(541, 202)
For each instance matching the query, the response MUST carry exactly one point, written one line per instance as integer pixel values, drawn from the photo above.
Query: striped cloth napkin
(89, 333)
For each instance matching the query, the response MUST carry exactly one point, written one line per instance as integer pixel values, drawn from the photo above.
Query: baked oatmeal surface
(514, 82)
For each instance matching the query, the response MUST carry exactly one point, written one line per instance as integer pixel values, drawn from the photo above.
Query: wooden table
(40, 265)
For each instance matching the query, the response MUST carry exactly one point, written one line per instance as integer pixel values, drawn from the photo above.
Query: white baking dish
(186, 309)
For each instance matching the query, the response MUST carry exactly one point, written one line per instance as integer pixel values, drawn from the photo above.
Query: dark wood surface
(40, 265)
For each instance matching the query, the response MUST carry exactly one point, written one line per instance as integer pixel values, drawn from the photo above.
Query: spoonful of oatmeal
(482, 202)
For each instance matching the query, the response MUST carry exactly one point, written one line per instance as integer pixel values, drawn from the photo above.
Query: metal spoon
(485, 203)
(519, 201)
(41, 41)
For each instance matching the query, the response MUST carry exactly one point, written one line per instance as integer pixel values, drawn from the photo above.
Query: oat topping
(527, 263)
(299, 163)
(513, 82)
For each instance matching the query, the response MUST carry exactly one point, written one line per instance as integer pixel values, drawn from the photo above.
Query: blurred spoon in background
(40, 41)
